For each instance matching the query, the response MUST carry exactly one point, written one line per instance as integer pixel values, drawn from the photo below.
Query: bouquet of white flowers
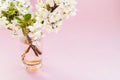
(17, 16)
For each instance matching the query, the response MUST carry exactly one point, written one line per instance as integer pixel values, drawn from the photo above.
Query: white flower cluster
(52, 13)
(17, 16)
(35, 33)
(20, 7)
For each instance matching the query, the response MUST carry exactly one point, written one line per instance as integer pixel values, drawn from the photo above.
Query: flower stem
(34, 48)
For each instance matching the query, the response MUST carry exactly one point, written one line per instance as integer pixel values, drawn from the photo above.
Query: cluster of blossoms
(17, 15)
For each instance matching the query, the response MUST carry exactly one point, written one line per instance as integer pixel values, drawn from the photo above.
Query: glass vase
(32, 57)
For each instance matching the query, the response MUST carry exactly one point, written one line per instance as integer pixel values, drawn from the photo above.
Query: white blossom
(48, 17)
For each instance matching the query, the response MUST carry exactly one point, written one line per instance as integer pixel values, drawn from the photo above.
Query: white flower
(31, 28)
(37, 26)
(36, 36)
(42, 13)
(17, 31)
(55, 17)
(42, 20)
(14, 22)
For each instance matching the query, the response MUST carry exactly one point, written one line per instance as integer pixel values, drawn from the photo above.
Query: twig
(34, 48)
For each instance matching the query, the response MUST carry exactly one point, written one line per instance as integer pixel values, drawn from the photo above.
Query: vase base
(33, 65)
(33, 68)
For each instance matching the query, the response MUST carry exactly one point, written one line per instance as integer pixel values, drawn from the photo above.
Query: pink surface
(87, 47)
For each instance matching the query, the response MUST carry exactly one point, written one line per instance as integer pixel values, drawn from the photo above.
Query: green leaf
(12, 12)
(20, 20)
(27, 17)
(11, 6)
(4, 13)
(32, 21)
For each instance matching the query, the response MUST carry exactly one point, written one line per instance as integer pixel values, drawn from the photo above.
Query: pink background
(87, 47)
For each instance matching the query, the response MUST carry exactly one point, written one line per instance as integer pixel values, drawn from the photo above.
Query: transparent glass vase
(32, 57)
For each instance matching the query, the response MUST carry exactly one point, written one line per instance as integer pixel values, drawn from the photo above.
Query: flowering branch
(34, 48)
(17, 15)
